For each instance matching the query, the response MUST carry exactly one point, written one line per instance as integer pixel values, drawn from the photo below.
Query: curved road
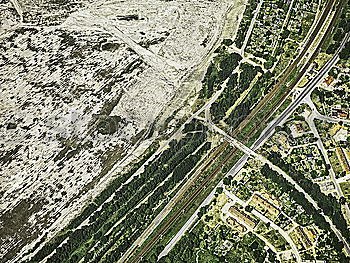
(306, 91)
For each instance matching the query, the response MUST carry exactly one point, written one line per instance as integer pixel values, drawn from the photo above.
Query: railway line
(179, 211)
(267, 98)
(265, 101)
(275, 106)
(209, 162)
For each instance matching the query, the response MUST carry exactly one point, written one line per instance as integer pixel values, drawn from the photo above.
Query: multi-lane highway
(265, 135)
(326, 13)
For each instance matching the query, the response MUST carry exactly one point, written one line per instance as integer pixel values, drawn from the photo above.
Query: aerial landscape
(194, 131)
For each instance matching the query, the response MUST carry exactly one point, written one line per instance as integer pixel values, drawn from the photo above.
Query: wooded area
(329, 205)
(233, 90)
(120, 221)
(244, 108)
(219, 71)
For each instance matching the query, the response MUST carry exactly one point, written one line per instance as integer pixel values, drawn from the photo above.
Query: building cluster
(308, 159)
(301, 18)
(278, 23)
(337, 111)
(267, 28)
(280, 144)
(333, 97)
(243, 217)
(233, 222)
(265, 205)
(337, 142)
(305, 236)
(327, 186)
(343, 159)
(297, 129)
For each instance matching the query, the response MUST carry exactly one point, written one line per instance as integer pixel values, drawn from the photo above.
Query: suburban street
(250, 152)
(299, 100)
(251, 26)
(311, 121)
(266, 134)
(268, 221)
(175, 131)
(261, 158)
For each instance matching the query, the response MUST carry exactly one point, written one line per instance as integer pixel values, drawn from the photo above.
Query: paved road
(187, 225)
(251, 27)
(167, 209)
(311, 121)
(299, 100)
(289, 179)
(267, 220)
(319, 116)
(255, 155)
(344, 179)
(309, 198)
(269, 131)
(289, 70)
(159, 218)
(290, 109)
(235, 199)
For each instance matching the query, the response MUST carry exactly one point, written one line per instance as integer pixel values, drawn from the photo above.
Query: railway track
(296, 81)
(188, 202)
(285, 75)
(211, 158)
(251, 116)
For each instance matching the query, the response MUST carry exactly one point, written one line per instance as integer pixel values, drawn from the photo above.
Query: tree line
(328, 203)
(218, 71)
(245, 23)
(341, 29)
(175, 162)
(244, 108)
(233, 90)
(301, 200)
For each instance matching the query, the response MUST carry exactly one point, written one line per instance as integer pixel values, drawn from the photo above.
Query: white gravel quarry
(79, 86)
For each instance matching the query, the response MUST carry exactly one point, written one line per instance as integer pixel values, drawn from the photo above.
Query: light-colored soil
(66, 73)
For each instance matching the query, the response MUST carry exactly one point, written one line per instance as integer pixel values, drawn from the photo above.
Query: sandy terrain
(80, 86)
